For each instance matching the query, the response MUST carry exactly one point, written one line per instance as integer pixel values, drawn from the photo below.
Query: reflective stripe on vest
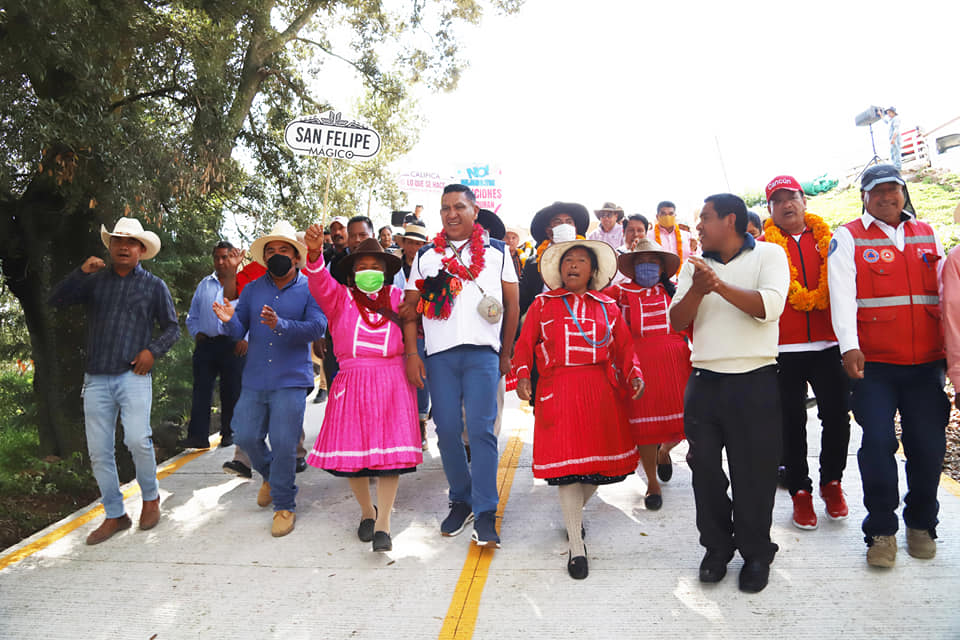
(896, 301)
(886, 242)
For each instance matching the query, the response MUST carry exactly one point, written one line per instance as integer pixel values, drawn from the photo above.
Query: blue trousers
(276, 413)
(104, 397)
(917, 391)
(464, 380)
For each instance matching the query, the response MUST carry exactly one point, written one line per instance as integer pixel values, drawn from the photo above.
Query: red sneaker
(803, 515)
(832, 494)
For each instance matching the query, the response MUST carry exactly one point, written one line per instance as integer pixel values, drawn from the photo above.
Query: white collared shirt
(842, 276)
(465, 326)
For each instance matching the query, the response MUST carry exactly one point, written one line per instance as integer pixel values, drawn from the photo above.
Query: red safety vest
(797, 327)
(898, 303)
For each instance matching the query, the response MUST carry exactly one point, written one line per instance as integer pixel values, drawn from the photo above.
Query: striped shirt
(121, 312)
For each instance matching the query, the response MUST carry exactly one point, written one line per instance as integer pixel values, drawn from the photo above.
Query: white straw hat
(282, 231)
(131, 228)
(606, 263)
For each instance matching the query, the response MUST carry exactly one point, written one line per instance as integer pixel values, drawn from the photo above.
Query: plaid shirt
(120, 315)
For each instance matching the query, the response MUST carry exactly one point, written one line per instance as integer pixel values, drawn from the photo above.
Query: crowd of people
(626, 342)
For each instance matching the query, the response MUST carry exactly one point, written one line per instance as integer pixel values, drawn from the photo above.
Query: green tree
(171, 111)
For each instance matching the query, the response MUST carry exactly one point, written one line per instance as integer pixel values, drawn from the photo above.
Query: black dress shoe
(713, 567)
(321, 396)
(653, 502)
(382, 541)
(194, 443)
(227, 440)
(365, 530)
(237, 468)
(754, 576)
(577, 567)
(301, 465)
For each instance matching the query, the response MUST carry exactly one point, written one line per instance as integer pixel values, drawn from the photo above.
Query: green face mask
(369, 280)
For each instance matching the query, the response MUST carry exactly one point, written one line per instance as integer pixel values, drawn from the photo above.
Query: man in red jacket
(808, 354)
(884, 273)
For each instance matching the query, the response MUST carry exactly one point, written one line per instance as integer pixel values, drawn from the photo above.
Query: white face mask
(564, 233)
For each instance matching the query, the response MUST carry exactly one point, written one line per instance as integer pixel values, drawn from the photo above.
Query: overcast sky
(627, 101)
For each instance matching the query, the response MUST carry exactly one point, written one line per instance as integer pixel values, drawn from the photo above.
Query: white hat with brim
(282, 231)
(131, 228)
(606, 263)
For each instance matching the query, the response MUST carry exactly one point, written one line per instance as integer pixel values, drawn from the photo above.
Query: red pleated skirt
(658, 415)
(580, 427)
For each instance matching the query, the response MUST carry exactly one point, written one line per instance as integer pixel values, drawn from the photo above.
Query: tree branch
(163, 91)
(379, 87)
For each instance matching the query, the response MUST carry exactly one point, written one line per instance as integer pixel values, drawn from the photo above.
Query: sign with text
(331, 136)
(486, 182)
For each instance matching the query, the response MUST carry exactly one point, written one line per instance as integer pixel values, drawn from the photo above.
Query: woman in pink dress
(370, 427)
(657, 418)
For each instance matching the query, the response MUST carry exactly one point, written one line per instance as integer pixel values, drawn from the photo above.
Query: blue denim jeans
(917, 391)
(130, 396)
(464, 380)
(423, 395)
(279, 415)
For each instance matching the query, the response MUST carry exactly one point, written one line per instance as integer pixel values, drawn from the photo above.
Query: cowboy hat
(415, 231)
(371, 247)
(131, 228)
(282, 231)
(669, 261)
(606, 263)
(538, 226)
(609, 206)
(492, 223)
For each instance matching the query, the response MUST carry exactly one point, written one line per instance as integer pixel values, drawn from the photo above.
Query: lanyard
(593, 343)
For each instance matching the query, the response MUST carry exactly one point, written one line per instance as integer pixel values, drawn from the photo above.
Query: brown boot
(109, 527)
(150, 514)
(264, 499)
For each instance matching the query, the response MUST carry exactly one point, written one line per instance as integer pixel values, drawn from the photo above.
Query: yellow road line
(462, 614)
(84, 518)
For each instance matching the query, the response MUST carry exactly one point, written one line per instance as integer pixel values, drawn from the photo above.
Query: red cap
(783, 182)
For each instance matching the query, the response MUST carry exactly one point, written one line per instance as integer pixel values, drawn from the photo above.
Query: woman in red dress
(657, 418)
(587, 368)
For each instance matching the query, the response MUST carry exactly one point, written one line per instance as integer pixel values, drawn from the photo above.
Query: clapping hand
(223, 311)
(705, 279)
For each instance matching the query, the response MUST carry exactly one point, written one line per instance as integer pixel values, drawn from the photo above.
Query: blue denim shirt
(121, 312)
(278, 358)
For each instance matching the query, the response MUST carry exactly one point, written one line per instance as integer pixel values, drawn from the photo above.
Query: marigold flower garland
(799, 297)
(676, 231)
(437, 293)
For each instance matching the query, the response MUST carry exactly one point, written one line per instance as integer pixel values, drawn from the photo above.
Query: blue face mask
(646, 274)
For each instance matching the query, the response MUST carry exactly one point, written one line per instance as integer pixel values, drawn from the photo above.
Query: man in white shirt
(465, 359)
(733, 297)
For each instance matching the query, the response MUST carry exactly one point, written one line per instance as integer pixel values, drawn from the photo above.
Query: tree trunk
(46, 242)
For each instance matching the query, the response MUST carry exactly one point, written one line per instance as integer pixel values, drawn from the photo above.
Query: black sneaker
(237, 468)
(226, 440)
(754, 576)
(460, 515)
(485, 530)
(301, 465)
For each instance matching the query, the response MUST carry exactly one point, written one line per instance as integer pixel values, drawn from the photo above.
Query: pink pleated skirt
(371, 421)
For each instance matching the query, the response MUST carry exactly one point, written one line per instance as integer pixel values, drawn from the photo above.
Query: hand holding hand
(143, 363)
(524, 389)
(92, 265)
(223, 311)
